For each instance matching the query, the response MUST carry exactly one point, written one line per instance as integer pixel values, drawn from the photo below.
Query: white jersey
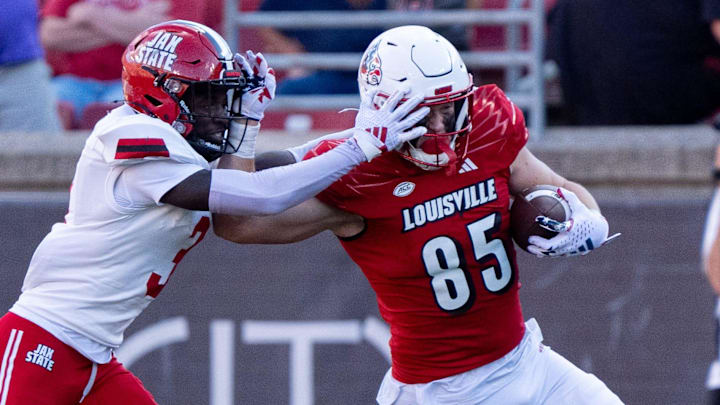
(94, 274)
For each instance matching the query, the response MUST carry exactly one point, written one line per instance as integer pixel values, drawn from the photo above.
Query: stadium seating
(303, 121)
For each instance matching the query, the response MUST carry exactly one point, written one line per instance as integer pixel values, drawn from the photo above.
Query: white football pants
(531, 373)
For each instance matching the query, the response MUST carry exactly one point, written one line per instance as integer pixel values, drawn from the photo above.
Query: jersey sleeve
(336, 194)
(498, 128)
(143, 185)
(144, 139)
(148, 157)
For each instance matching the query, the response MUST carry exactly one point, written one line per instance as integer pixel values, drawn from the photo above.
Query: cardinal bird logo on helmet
(371, 67)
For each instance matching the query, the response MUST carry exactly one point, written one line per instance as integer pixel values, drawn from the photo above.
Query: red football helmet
(179, 71)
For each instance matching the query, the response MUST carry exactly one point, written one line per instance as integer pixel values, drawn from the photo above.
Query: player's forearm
(582, 193)
(275, 190)
(276, 42)
(293, 225)
(272, 159)
(123, 26)
(60, 34)
(223, 225)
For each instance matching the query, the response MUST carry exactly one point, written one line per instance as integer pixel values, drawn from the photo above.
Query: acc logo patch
(404, 189)
(371, 66)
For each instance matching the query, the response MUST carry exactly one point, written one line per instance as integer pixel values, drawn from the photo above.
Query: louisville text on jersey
(42, 356)
(159, 52)
(449, 204)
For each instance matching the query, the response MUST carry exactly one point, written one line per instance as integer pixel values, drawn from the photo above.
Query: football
(532, 202)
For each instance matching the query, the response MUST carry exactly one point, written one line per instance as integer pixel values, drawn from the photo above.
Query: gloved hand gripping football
(584, 231)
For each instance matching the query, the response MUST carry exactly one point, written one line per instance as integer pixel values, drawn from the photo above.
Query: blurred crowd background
(619, 62)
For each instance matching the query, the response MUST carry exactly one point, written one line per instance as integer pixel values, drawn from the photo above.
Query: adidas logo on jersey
(467, 166)
(42, 356)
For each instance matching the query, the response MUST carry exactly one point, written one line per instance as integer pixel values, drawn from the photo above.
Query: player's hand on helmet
(258, 93)
(386, 128)
(584, 231)
(261, 89)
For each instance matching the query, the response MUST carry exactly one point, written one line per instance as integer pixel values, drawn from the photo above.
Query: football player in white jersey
(143, 191)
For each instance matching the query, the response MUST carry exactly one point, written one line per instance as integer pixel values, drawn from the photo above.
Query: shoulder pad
(128, 139)
(498, 125)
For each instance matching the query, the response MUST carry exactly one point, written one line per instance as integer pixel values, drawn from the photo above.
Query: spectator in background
(91, 35)
(456, 34)
(637, 61)
(27, 102)
(298, 81)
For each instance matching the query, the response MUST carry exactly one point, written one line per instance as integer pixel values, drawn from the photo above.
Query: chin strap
(451, 167)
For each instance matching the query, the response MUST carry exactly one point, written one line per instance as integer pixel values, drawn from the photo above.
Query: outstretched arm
(292, 225)
(295, 224)
(271, 191)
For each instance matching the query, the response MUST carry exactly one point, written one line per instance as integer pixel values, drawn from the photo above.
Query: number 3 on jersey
(451, 282)
(156, 283)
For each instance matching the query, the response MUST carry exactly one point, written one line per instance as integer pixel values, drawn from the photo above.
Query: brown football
(534, 201)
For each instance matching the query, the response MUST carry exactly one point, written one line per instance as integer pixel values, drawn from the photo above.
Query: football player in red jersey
(429, 227)
(141, 198)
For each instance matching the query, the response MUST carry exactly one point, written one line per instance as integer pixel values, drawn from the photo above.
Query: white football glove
(261, 79)
(584, 231)
(255, 100)
(386, 128)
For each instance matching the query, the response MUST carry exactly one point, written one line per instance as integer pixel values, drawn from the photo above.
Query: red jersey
(437, 248)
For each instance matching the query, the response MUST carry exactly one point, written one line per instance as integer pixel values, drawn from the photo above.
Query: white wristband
(367, 143)
(242, 137)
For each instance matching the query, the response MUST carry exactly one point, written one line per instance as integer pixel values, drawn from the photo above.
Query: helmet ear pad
(418, 59)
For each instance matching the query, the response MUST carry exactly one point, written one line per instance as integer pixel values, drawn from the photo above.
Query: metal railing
(513, 59)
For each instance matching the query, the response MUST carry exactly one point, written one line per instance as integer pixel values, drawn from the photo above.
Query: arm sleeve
(274, 190)
(336, 195)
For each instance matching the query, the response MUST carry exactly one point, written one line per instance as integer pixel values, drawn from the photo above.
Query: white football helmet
(420, 60)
